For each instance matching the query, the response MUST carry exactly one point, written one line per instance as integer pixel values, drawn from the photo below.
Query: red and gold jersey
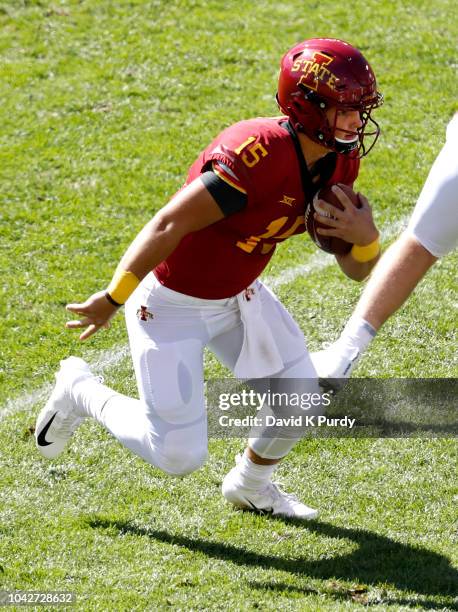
(258, 158)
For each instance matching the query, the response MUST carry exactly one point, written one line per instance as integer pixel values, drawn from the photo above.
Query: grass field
(104, 104)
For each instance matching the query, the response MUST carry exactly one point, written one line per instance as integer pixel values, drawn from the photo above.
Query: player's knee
(183, 461)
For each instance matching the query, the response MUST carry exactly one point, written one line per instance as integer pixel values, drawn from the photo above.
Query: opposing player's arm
(191, 209)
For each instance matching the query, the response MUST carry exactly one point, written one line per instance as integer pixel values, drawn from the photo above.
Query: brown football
(330, 244)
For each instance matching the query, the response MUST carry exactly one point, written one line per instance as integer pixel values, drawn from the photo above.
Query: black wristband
(111, 300)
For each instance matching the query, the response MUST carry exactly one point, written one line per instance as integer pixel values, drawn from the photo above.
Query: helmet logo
(314, 71)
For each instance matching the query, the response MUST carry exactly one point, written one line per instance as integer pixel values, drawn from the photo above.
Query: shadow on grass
(359, 595)
(378, 560)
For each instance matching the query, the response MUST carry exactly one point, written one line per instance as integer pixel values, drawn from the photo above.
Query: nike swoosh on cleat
(260, 510)
(41, 438)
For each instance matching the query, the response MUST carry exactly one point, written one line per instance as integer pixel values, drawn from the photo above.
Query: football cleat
(271, 499)
(334, 367)
(59, 418)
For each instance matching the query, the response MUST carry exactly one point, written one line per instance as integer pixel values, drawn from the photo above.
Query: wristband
(363, 254)
(122, 285)
(111, 300)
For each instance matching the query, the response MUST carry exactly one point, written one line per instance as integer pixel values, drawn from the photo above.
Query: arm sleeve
(225, 188)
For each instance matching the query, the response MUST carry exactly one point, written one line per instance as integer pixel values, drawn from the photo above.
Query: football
(330, 244)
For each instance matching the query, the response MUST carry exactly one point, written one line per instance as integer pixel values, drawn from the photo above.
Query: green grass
(103, 107)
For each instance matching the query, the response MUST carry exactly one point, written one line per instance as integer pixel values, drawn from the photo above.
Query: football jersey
(224, 258)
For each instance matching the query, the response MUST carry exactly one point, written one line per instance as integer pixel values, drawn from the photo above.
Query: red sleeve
(227, 175)
(239, 148)
(250, 149)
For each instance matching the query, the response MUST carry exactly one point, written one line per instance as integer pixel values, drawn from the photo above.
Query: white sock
(90, 397)
(356, 336)
(252, 475)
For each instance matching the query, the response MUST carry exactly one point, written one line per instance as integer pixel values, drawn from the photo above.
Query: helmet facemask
(310, 105)
(374, 128)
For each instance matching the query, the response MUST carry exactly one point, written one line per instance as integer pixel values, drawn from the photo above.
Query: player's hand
(355, 225)
(96, 312)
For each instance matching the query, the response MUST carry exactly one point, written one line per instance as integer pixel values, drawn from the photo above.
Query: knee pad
(183, 450)
(170, 381)
(182, 461)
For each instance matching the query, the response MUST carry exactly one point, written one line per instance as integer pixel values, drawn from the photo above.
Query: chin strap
(346, 147)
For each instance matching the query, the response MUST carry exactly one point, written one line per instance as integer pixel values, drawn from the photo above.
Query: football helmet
(321, 73)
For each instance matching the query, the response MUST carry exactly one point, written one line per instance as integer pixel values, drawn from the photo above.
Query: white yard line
(317, 261)
(104, 361)
(110, 358)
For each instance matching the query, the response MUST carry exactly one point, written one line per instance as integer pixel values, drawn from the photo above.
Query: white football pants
(167, 426)
(434, 221)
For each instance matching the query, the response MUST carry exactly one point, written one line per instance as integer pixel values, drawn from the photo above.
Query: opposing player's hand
(96, 313)
(355, 225)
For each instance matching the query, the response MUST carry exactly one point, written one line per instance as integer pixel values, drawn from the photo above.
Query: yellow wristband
(365, 253)
(122, 285)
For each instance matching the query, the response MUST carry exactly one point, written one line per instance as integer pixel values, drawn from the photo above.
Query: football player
(431, 233)
(189, 279)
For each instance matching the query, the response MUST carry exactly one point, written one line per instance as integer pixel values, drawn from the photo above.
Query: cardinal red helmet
(321, 73)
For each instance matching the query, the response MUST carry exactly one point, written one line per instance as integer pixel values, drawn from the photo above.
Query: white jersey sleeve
(434, 222)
